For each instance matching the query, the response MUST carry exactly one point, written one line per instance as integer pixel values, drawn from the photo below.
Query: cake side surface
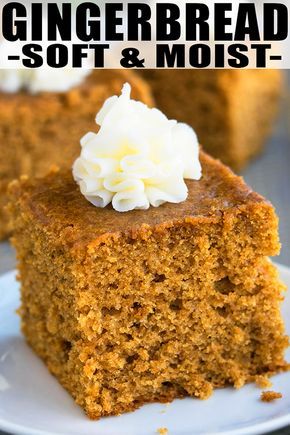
(138, 321)
(254, 104)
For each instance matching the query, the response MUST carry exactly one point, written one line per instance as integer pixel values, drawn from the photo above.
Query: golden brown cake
(37, 131)
(149, 305)
(232, 111)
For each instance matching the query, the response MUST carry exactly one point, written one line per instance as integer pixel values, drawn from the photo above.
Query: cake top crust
(55, 202)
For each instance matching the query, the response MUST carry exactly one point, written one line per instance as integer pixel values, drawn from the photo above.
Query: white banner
(148, 34)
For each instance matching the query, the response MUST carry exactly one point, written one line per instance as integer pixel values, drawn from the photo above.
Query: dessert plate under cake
(32, 402)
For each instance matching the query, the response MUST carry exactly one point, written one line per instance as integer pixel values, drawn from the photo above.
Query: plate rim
(255, 429)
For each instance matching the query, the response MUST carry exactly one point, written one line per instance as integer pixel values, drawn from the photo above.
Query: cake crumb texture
(263, 381)
(270, 396)
(145, 306)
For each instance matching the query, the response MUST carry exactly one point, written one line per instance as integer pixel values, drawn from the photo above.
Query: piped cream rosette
(138, 157)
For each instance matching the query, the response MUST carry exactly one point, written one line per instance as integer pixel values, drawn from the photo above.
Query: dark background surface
(269, 174)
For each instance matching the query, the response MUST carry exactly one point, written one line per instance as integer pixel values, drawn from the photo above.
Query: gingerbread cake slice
(232, 111)
(149, 305)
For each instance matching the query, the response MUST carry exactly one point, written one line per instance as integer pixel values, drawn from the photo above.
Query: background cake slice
(232, 111)
(43, 129)
(128, 308)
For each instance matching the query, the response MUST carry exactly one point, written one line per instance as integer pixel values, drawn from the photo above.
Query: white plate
(32, 402)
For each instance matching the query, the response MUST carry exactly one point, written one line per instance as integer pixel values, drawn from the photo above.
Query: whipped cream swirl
(138, 157)
(42, 79)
